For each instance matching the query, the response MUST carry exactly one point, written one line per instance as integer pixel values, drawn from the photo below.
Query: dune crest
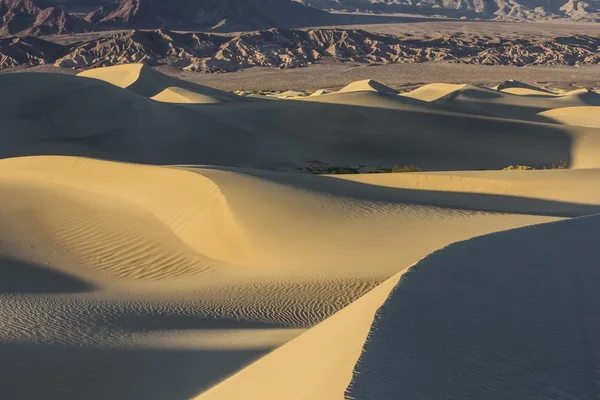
(145, 81)
(184, 96)
(433, 91)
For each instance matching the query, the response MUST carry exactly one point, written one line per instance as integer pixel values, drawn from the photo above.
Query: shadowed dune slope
(588, 116)
(67, 115)
(509, 315)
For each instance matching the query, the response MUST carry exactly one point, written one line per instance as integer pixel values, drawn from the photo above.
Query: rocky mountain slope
(219, 15)
(582, 10)
(23, 17)
(285, 48)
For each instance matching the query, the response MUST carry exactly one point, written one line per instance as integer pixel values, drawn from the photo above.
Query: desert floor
(166, 240)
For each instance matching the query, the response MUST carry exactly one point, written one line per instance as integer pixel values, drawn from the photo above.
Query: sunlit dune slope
(588, 116)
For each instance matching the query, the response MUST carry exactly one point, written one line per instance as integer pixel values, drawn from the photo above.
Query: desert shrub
(406, 168)
(342, 170)
(518, 167)
(562, 164)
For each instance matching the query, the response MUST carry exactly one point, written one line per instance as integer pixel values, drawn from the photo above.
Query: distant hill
(519, 10)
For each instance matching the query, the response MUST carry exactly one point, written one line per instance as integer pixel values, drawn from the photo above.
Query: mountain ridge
(515, 10)
(289, 48)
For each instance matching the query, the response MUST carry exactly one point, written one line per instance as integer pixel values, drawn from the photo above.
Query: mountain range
(489, 9)
(288, 48)
(25, 17)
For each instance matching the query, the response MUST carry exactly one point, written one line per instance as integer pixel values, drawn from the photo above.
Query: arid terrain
(163, 239)
(308, 199)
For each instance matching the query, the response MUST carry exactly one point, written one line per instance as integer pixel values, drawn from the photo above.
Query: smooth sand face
(433, 91)
(588, 116)
(123, 280)
(184, 96)
(122, 76)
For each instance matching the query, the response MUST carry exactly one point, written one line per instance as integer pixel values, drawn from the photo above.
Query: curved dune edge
(316, 365)
(586, 116)
(505, 315)
(122, 76)
(190, 205)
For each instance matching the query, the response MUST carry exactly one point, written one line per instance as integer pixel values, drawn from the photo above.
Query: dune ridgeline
(166, 240)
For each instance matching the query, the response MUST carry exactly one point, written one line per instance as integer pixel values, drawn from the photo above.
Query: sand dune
(340, 129)
(185, 96)
(503, 104)
(367, 85)
(158, 240)
(320, 92)
(433, 91)
(588, 116)
(148, 82)
(522, 88)
(291, 94)
(141, 243)
(500, 316)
